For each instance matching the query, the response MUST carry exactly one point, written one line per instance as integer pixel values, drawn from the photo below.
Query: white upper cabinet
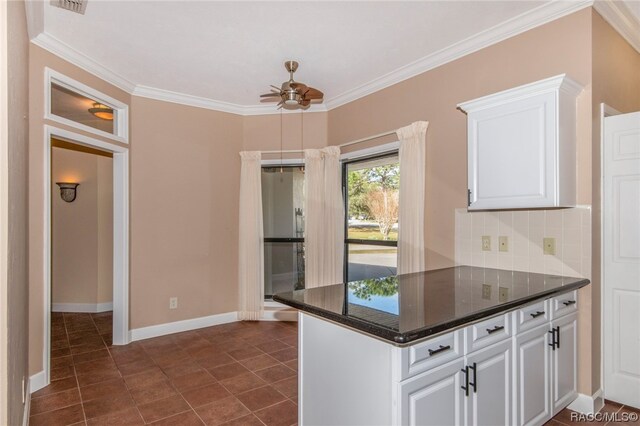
(522, 146)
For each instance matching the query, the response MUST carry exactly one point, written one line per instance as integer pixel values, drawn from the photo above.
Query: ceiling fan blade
(271, 95)
(313, 94)
(299, 87)
(305, 102)
(276, 87)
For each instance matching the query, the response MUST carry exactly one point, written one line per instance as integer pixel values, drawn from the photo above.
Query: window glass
(73, 106)
(372, 207)
(283, 219)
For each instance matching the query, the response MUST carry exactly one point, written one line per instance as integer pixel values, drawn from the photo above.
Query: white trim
(541, 15)
(184, 325)
(605, 111)
(4, 214)
(586, 404)
(120, 236)
(82, 307)
(69, 54)
(206, 103)
(120, 109)
(27, 404)
(618, 15)
(374, 150)
(38, 381)
(35, 17)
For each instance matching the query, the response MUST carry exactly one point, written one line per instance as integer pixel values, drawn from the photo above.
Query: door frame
(121, 334)
(605, 111)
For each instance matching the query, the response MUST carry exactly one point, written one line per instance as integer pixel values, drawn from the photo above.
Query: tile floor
(242, 373)
(563, 418)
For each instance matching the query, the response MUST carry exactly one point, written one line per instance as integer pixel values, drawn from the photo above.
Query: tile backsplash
(525, 231)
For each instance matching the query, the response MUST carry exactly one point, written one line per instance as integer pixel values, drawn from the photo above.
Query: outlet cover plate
(173, 303)
(486, 291)
(486, 243)
(549, 246)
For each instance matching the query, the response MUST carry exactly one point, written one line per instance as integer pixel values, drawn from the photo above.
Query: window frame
(120, 109)
(383, 151)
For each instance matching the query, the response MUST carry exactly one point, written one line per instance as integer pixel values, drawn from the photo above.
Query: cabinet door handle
(494, 329)
(537, 314)
(558, 337)
(466, 380)
(553, 339)
(475, 378)
(569, 302)
(432, 352)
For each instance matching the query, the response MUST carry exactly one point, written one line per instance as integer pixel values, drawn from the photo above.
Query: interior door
(621, 258)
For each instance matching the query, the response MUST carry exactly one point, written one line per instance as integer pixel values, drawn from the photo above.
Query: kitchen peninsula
(461, 345)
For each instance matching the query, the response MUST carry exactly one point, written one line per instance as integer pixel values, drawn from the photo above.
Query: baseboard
(280, 315)
(185, 325)
(586, 404)
(27, 404)
(37, 381)
(82, 307)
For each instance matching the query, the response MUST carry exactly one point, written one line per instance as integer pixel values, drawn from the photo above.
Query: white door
(434, 397)
(532, 365)
(564, 363)
(621, 258)
(489, 401)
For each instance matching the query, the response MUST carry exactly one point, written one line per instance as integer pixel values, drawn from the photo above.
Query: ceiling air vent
(77, 6)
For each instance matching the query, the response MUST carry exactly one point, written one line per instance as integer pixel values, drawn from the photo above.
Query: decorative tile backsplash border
(525, 231)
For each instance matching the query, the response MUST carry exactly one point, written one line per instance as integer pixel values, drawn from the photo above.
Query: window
(371, 222)
(77, 105)
(283, 218)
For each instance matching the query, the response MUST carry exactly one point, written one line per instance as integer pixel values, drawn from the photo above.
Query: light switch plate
(486, 243)
(503, 243)
(503, 295)
(549, 246)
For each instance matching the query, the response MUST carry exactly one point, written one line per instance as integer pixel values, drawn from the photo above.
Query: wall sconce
(67, 190)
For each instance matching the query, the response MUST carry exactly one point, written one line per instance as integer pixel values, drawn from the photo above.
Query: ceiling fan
(292, 93)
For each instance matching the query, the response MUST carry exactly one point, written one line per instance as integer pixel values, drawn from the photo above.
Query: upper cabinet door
(521, 146)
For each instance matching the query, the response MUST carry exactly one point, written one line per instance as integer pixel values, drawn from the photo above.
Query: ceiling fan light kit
(293, 94)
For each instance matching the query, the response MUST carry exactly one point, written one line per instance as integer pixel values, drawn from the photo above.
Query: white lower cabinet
(564, 362)
(434, 398)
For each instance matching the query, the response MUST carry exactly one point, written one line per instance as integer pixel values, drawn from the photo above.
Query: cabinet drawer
(487, 332)
(564, 304)
(531, 316)
(431, 353)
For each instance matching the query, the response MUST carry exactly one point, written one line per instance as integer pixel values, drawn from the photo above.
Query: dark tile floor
(242, 373)
(612, 414)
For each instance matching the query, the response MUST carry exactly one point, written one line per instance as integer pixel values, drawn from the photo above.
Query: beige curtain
(324, 217)
(411, 250)
(251, 249)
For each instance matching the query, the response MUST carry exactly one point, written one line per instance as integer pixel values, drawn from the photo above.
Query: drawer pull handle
(569, 302)
(432, 352)
(537, 314)
(494, 329)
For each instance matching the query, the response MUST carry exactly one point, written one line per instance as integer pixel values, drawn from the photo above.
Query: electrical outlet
(503, 294)
(486, 291)
(173, 303)
(486, 243)
(503, 243)
(549, 246)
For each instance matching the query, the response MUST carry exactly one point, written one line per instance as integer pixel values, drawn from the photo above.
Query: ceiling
(230, 52)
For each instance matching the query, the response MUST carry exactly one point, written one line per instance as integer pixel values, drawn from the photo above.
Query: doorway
(621, 258)
(118, 156)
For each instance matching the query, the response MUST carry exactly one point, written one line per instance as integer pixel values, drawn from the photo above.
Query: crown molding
(200, 102)
(69, 54)
(514, 26)
(618, 15)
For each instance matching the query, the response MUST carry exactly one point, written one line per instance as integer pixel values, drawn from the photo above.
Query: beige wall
(38, 60)
(616, 82)
(185, 176)
(82, 231)
(559, 47)
(14, 298)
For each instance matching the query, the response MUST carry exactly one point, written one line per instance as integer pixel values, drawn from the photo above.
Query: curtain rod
(368, 138)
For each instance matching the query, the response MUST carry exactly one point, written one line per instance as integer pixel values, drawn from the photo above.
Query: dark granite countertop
(405, 308)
